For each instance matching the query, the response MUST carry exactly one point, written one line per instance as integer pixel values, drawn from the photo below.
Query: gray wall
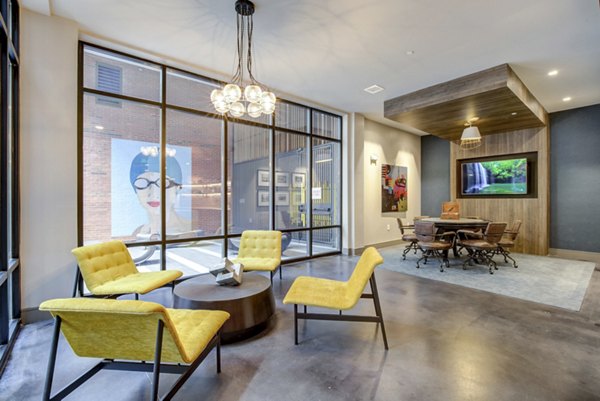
(435, 174)
(575, 179)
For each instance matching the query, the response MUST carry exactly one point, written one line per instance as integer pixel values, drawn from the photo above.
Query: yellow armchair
(107, 269)
(338, 295)
(127, 330)
(260, 251)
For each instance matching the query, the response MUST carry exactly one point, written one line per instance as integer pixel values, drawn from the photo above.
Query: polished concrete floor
(446, 343)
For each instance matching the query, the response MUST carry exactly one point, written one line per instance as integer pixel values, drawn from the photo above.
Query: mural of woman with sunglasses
(144, 176)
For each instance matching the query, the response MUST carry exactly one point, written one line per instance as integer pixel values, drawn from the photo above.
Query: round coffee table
(250, 304)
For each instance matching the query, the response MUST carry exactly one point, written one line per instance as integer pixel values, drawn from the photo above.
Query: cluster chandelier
(253, 99)
(470, 138)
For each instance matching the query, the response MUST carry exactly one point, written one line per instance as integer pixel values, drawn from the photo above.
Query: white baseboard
(576, 255)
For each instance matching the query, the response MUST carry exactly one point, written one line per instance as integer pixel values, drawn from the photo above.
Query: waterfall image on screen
(499, 177)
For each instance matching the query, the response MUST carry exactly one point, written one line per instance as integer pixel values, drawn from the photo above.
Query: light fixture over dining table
(470, 138)
(254, 99)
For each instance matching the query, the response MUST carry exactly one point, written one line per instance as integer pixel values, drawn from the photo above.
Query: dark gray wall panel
(575, 179)
(435, 174)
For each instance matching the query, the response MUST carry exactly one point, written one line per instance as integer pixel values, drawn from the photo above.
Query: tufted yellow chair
(338, 295)
(133, 331)
(261, 251)
(107, 269)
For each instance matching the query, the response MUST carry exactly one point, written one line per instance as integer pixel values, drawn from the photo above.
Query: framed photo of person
(282, 179)
(263, 178)
(298, 180)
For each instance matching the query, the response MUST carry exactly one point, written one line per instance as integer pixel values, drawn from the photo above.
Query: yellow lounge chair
(108, 270)
(338, 295)
(124, 331)
(260, 251)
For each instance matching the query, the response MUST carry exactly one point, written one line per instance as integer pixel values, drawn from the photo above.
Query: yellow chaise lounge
(108, 270)
(338, 295)
(260, 250)
(125, 332)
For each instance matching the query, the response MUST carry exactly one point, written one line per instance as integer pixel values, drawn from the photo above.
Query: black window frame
(272, 127)
(10, 269)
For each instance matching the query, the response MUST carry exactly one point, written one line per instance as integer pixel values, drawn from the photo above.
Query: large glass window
(10, 270)
(179, 183)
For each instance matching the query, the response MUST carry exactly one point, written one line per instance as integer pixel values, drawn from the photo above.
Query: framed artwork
(282, 179)
(394, 189)
(263, 178)
(282, 198)
(298, 180)
(263, 198)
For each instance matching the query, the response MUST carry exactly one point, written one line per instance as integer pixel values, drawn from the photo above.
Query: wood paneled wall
(534, 212)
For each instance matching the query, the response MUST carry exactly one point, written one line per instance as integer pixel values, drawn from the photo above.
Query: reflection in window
(200, 196)
(326, 179)
(248, 173)
(121, 146)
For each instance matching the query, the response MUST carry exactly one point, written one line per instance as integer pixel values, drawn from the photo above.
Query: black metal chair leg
(52, 359)
(219, 352)
(280, 274)
(378, 308)
(157, 355)
(295, 324)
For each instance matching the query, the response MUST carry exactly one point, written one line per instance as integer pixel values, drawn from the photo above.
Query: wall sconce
(374, 159)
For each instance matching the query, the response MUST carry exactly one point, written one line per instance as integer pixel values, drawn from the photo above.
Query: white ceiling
(328, 51)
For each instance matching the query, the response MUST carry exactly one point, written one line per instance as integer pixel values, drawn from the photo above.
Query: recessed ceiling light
(567, 99)
(552, 73)
(373, 89)
(99, 127)
(410, 52)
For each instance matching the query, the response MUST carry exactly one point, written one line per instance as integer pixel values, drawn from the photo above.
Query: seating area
(427, 204)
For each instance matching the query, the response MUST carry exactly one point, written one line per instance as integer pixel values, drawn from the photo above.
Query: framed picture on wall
(263, 198)
(298, 180)
(263, 178)
(282, 179)
(282, 198)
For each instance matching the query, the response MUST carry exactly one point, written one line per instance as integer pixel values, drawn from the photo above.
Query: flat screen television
(498, 176)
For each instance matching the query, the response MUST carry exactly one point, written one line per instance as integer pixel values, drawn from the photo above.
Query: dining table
(454, 225)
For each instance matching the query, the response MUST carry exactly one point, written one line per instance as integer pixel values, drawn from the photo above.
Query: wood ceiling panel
(496, 96)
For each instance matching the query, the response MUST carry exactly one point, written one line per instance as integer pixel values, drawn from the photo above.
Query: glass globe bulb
(232, 93)
(237, 109)
(217, 96)
(268, 97)
(268, 108)
(254, 110)
(222, 107)
(253, 93)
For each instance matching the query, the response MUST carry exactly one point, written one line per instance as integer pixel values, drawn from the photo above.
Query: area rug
(546, 280)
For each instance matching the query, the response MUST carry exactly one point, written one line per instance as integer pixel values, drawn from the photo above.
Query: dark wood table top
(204, 288)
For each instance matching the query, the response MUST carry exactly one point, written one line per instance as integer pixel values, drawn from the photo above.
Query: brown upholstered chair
(508, 241)
(482, 247)
(432, 244)
(411, 238)
(450, 210)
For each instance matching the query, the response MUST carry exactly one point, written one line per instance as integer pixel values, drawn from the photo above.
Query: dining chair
(508, 241)
(482, 247)
(432, 244)
(411, 238)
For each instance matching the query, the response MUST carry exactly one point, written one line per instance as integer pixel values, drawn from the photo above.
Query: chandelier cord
(233, 98)
(250, 22)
